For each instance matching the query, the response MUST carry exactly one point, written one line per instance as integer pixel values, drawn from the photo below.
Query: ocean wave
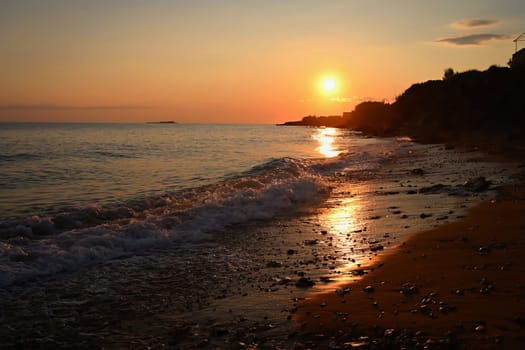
(19, 157)
(39, 246)
(109, 154)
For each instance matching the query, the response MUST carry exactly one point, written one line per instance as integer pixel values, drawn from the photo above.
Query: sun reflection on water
(345, 216)
(326, 138)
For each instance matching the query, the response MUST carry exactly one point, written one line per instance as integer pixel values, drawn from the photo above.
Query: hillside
(468, 107)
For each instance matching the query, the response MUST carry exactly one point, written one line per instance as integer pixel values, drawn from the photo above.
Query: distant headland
(470, 107)
(163, 122)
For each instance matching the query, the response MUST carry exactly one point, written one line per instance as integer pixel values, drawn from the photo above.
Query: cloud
(472, 39)
(44, 107)
(344, 99)
(470, 23)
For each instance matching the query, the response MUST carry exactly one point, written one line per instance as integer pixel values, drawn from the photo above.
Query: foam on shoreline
(243, 283)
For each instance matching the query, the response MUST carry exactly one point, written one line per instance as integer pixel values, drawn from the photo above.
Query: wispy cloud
(472, 39)
(343, 99)
(45, 107)
(471, 23)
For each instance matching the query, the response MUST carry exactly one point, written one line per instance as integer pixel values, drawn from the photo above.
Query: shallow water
(217, 264)
(74, 196)
(52, 167)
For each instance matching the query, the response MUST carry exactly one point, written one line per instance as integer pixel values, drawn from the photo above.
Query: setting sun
(329, 85)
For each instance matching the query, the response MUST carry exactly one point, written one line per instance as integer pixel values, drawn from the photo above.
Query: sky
(236, 61)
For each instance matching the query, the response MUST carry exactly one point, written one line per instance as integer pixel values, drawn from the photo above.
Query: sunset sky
(235, 61)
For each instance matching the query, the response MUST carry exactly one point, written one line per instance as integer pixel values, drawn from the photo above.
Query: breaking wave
(43, 245)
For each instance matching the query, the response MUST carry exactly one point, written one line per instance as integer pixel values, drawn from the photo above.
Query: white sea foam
(41, 246)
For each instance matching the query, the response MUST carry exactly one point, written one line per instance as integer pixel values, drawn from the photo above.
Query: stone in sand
(478, 184)
(417, 171)
(304, 282)
(274, 264)
(376, 248)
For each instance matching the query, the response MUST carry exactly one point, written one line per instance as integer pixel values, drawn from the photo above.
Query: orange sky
(234, 61)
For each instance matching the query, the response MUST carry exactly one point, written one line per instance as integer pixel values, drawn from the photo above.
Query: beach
(456, 286)
(271, 283)
(262, 175)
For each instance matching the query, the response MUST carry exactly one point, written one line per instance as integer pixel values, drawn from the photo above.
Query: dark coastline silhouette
(464, 107)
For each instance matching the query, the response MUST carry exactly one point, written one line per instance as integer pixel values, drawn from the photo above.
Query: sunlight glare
(326, 139)
(329, 85)
(345, 217)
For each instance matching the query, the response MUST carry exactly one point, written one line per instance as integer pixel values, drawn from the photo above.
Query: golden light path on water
(326, 138)
(344, 218)
(344, 215)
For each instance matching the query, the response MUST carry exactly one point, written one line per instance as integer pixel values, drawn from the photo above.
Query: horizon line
(52, 107)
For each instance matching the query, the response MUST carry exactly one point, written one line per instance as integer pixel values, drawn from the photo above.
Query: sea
(199, 236)
(74, 195)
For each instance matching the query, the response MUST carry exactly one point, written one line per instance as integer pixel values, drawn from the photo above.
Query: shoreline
(245, 286)
(458, 285)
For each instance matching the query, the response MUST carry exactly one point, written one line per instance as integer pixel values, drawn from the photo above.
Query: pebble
(376, 248)
(358, 272)
(445, 309)
(368, 289)
(478, 184)
(311, 242)
(425, 310)
(484, 250)
(409, 289)
(480, 328)
(273, 264)
(390, 332)
(342, 291)
(304, 282)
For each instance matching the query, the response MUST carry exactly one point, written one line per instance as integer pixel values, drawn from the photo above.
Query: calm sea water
(77, 195)
(48, 168)
(139, 233)
(74, 195)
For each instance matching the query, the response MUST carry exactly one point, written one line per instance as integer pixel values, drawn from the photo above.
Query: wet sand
(255, 285)
(458, 285)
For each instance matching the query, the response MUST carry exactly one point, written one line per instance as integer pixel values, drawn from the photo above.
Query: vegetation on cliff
(466, 105)
(463, 103)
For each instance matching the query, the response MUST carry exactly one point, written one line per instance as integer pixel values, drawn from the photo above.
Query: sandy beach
(298, 281)
(456, 286)
(262, 175)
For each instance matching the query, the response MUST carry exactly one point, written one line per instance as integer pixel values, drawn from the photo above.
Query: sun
(329, 84)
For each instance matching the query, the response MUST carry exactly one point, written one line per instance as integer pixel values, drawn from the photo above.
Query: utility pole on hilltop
(521, 37)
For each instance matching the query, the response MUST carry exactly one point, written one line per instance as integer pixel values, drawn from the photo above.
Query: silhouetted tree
(449, 73)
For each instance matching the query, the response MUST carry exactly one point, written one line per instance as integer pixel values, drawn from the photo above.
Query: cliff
(472, 106)
(335, 121)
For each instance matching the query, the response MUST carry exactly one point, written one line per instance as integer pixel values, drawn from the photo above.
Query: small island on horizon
(163, 122)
